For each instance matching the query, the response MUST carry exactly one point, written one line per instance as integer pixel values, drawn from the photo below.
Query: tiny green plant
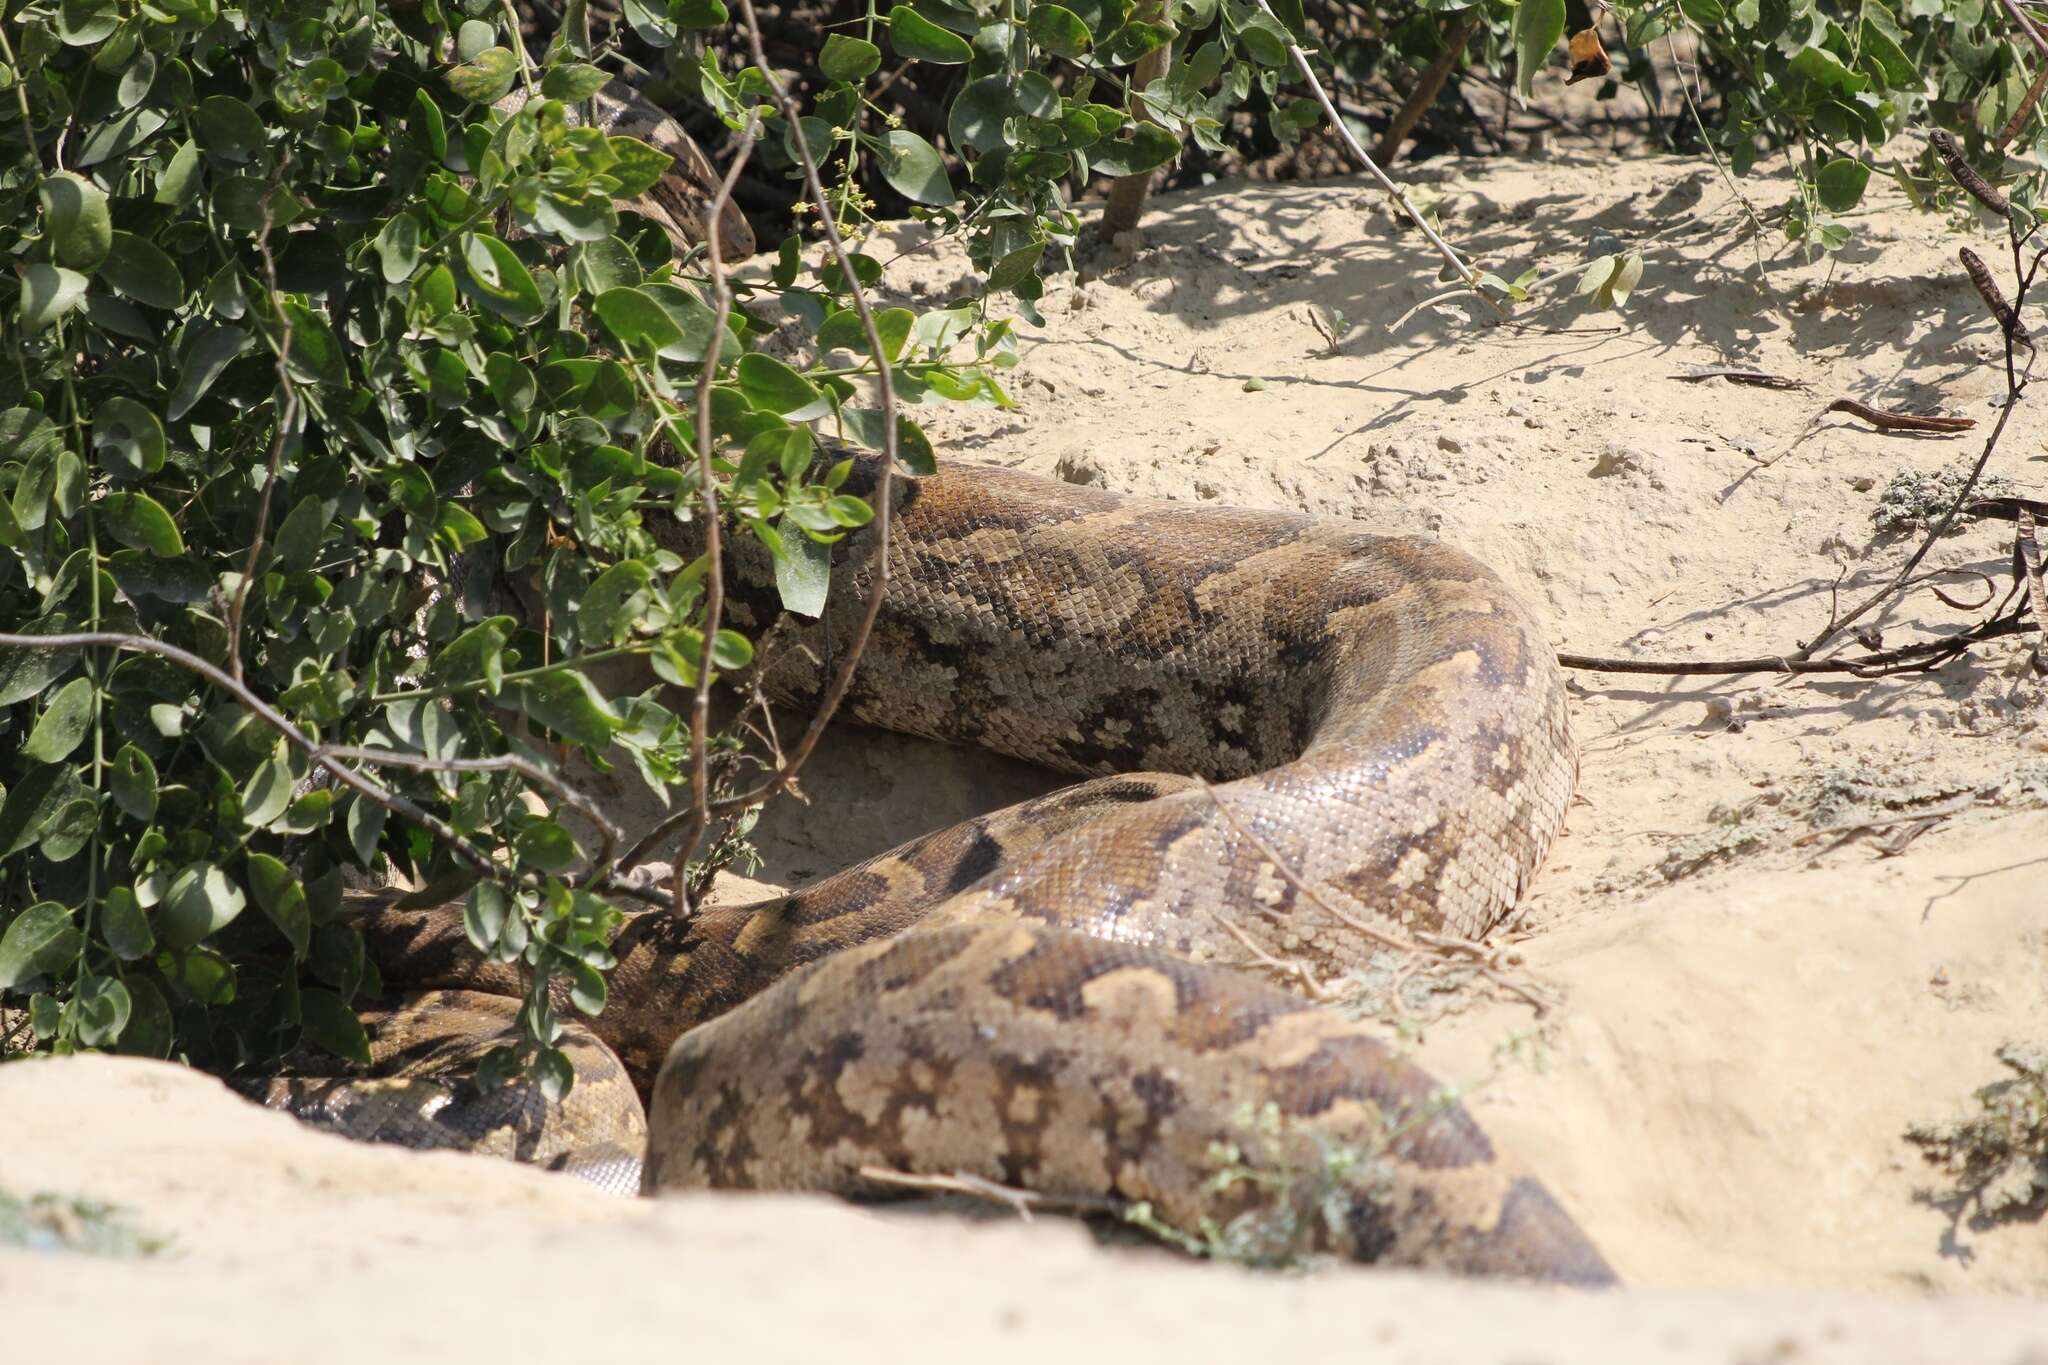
(1997, 1156)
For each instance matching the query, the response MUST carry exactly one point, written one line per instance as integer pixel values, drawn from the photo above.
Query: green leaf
(568, 703)
(118, 137)
(75, 220)
(1626, 276)
(773, 386)
(913, 447)
(69, 829)
(1059, 31)
(914, 169)
(613, 603)
(843, 330)
(921, 40)
(638, 165)
(694, 14)
(123, 927)
(127, 438)
(181, 179)
(803, 574)
(140, 521)
(268, 792)
(1840, 184)
(134, 783)
(488, 78)
(496, 278)
(978, 116)
(32, 803)
(694, 317)
(637, 320)
(1537, 27)
(210, 352)
(330, 1024)
(297, 542)
(483, 915)
(398, 247)
(100, 1005)
(1147, 147)
(315, 353)
(572, 82)
(366, 819)
(848, 59)
(139, 268)
(201, 901)
(282, 900)
(48, 292)
(26, 672)
(39, 941)
(586, 988)
(64, 722)
(547, 846)
(228, 128)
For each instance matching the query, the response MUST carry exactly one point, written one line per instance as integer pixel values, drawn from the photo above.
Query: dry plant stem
(2027, 547)
(883, 495)
(1020, 1202)
(2024, 111)
(2025, 24)
(1426, 90)
(287, 417)
(1126, 203)
(1879, 663)
(1899, 421)
(697, 814)
(1940, 528)
(1357, 150)
(332, 760)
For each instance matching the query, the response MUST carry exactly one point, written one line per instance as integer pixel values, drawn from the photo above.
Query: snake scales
(1056, 996)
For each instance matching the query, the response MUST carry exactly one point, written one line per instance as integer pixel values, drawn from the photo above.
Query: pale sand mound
(291, 1245)
(1750, 1015)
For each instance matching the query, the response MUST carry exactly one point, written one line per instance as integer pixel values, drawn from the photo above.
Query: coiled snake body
(1060, 996)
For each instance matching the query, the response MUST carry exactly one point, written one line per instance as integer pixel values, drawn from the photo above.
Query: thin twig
(286, 417)
(1357, 149)
(1899, 421)
(883, 496)
(698, 815)
(607, 828)
(1917, 657)
(1427, 89)
(1020, 1202)
(334, 761)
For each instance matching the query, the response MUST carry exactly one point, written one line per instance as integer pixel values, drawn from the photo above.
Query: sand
(1753, 993)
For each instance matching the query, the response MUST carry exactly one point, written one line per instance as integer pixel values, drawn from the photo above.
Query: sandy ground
(1757, 987)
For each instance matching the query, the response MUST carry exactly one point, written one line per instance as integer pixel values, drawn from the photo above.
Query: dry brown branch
(884, 491)
(287, 416)
(1427, 89)
(1899, 421)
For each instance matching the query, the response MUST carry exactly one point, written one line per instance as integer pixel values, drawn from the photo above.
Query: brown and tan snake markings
(1058, 996)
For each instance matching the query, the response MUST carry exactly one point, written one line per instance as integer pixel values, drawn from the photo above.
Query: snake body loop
(1295, 730)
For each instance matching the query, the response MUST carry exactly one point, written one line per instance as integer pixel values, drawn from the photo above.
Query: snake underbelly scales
(1060, 996)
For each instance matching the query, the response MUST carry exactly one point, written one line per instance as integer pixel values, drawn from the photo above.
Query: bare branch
(287, 416)
(883, 496)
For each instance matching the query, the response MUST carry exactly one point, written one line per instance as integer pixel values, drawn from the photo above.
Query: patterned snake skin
(1059, 996)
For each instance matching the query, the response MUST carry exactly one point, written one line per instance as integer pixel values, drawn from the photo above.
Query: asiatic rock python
(1056, 996)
